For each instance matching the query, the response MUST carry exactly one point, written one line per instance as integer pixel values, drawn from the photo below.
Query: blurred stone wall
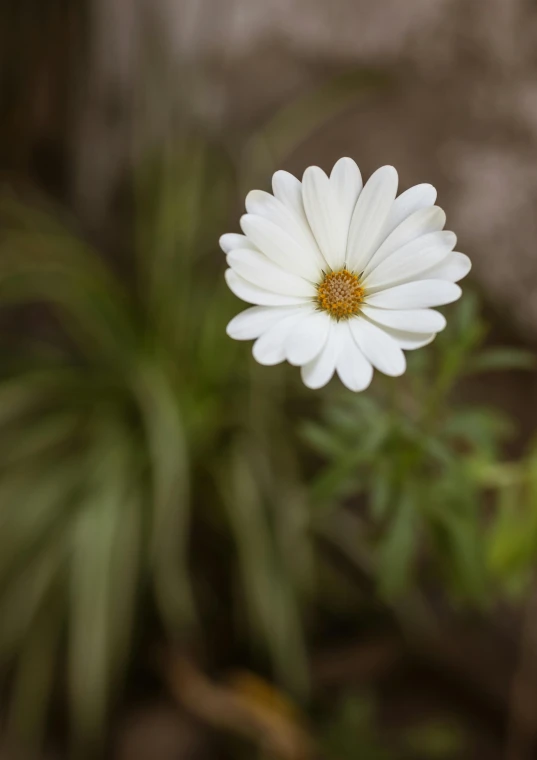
(462, 112)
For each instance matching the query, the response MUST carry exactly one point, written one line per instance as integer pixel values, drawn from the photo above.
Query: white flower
(343, 277)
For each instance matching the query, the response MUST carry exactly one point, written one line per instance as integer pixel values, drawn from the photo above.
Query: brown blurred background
(130, 132)
(458, 106)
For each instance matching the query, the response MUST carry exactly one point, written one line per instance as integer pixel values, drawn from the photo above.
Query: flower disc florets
(340, 294)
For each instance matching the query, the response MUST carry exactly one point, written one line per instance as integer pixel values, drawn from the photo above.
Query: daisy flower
(343, 276)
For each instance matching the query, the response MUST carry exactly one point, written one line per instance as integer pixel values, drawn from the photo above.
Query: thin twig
(245, 706)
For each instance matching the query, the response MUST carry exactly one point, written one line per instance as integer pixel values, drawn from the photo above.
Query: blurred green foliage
(132, 410)
(351, 731)
(354, 729)
(147, 462)
(413, 463)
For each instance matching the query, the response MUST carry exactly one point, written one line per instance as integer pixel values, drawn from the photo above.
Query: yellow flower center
(340, 294)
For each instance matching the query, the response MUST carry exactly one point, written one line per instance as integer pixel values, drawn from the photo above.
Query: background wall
(199, 558)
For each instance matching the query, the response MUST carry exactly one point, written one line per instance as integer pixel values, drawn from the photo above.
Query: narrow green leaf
(397, 548)
(93, 603)
(273, 610)
(38, 655)
(501, 359)
(170, 496)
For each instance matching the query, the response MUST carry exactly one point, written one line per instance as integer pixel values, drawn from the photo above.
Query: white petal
(420, 294)
(307, 339)
(381, 350)
(254, 321)
(264, 204)
(346, 183)
(288, 189)
(323, 216)
(252, 294)
(370, 215)
(318, 372)
(412, 200)
(271, 208)
(411, 260)
(411, 320)
(354, 370)
(232, 240)
(453, 268)
(280, 247)
(270, 347)
(256, 268)
(420, 223)
(409, 341)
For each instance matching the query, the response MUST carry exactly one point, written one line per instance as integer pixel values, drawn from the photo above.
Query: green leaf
(397, 548)
(35, 672)
(512, 534)
(435, 740)
(35, 503)
(351, 732)
(322, 440)
(381, 490)
(501, 359)
(22, 600)
(168, 456)
(468, 560)
(99, 591)
(272, 606)
(292, 520)
(483, 428)
(345, 473)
